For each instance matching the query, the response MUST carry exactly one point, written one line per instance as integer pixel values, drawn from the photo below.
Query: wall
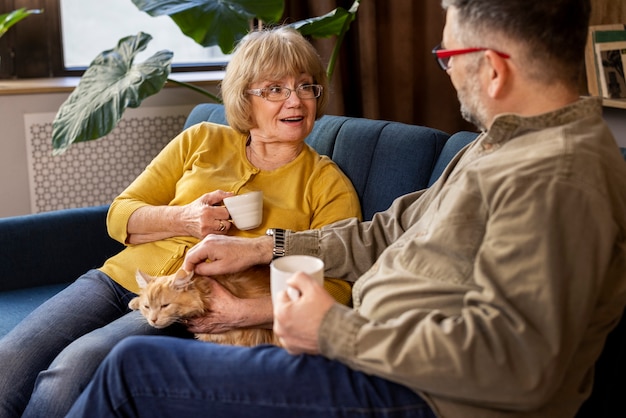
(15, 191)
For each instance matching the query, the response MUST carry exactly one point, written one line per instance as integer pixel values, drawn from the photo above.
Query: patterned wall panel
(94, 172)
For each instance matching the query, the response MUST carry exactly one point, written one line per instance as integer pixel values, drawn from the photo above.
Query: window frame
(34, 47)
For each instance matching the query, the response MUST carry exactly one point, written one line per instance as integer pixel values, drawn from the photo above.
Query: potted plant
(112, 82)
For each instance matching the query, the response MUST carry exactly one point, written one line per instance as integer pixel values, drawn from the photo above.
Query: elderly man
(488, 295)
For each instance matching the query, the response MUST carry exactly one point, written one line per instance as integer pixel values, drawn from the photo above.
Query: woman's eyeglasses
(442, 56)
(278, 93)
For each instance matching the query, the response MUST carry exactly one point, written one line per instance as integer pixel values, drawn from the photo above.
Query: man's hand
(297, 323)
(219, 254)
(229, 312)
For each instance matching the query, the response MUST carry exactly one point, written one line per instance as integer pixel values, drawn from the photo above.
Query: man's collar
(509, 125)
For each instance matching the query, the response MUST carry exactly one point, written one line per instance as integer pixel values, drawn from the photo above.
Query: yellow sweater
(307, 193)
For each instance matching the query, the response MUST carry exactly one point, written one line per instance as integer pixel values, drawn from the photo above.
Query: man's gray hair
(552, 32)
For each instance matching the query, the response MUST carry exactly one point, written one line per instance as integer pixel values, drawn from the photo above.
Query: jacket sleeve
(349, 247)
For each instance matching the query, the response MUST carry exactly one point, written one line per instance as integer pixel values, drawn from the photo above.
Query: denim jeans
(171, 377)
(48, 358)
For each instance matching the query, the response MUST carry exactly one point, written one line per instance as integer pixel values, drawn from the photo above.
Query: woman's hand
(206, 215)
(198, 219)
(229, 312)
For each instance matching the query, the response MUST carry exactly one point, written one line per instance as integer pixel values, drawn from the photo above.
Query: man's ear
(499, 74)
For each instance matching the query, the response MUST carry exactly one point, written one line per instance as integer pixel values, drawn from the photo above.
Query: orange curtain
(386, 70)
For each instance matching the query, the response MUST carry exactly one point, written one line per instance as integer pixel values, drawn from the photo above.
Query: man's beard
(472, 109)
(471, 117)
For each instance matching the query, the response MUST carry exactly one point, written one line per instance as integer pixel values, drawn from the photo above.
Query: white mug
(246, 210)
(283, 268)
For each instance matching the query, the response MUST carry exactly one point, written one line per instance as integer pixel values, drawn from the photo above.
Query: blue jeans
(171, 377)
(48, 358)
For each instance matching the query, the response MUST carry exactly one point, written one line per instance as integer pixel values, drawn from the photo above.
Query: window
(71, 33)
(91, 26)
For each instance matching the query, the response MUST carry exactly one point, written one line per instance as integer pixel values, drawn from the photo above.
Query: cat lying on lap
(168, 299)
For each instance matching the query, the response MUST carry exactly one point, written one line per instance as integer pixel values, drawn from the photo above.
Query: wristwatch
(279, 241)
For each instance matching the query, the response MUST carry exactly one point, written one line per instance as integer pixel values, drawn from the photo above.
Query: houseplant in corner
(112, 83)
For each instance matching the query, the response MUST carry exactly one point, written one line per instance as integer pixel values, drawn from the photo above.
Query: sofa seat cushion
(16, 304)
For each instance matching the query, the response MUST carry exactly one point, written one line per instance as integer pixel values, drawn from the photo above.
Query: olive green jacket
(491, 293)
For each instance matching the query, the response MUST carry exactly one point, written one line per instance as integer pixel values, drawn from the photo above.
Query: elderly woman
(274, 89)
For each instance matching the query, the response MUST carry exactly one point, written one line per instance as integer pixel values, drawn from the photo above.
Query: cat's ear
(142, 279)
(182, 279)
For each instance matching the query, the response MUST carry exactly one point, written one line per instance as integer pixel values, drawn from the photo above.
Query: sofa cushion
(206, 112)
(16, 304)
(453, 145)
(383, 159)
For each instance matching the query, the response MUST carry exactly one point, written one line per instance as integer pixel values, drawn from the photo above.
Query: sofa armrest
(53, 247)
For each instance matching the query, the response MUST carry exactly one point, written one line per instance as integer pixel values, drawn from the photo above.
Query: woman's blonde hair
(269, 54)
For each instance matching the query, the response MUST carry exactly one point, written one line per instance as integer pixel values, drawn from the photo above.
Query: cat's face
(167, 299)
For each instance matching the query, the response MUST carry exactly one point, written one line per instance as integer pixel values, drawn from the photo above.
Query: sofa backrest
(383, 159)
(453, 145)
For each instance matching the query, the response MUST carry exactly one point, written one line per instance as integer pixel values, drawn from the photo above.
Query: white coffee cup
(246, 210)
(283, 268)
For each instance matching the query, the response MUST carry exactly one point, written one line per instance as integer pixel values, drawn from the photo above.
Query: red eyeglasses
(442, 56)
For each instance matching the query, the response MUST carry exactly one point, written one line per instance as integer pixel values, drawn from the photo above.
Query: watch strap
(279, 241)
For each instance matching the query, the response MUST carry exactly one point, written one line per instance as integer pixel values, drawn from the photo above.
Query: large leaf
(110, 85)
(335, 23)
(214, 22)
(330, 24)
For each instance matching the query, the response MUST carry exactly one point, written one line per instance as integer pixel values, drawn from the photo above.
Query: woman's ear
(499, 74)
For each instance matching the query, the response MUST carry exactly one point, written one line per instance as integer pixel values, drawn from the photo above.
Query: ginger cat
(168, 299)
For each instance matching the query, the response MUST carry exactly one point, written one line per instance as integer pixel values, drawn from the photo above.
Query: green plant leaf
(214, 22)
(110, 85)
(330, 24)
(336, 23)
(9, 19)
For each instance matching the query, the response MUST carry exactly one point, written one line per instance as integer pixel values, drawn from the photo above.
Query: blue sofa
(41, 253)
